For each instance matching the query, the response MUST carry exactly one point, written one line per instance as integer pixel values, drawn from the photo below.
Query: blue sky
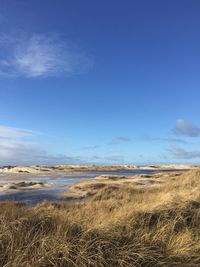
(99, 82)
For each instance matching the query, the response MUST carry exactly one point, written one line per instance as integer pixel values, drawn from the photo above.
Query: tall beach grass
(120, 226)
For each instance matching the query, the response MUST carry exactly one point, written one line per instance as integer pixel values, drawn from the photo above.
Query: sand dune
(90, 187)
(19, 186)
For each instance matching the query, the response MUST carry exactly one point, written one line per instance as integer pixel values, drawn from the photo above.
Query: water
(32, 197)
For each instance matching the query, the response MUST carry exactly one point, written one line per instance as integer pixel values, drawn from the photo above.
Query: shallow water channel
(61, 181)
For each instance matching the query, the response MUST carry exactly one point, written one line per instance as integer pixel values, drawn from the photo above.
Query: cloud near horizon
(18, 147)
(21, 147)
(160, 139)
(110, 159)
(123, 139)
(181, 153)
(27, 153)
(119, 140)
(186, 128)
(40, 56)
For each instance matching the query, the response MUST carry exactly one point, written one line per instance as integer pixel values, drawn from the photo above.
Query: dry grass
(120, 226)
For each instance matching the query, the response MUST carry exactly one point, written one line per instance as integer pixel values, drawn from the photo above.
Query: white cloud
(17, 147)
(11, 132)
(20, 147)
(22, 152)
(186, 128)
(39, 56)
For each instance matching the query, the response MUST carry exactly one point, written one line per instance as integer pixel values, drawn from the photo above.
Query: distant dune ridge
(70, 168)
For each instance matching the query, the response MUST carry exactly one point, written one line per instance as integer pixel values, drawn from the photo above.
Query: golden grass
(120, 226)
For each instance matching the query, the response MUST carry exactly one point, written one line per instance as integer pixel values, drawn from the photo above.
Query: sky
(99, 82)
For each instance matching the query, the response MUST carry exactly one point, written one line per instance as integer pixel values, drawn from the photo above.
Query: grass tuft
(119, 226)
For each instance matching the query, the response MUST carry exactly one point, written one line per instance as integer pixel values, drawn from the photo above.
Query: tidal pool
(61, 181)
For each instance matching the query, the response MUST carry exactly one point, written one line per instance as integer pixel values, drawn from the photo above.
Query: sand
(89, 187)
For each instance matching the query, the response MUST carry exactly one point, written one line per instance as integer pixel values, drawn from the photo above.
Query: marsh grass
(120, 226)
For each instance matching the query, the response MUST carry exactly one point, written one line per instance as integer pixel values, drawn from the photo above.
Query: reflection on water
(32, 197)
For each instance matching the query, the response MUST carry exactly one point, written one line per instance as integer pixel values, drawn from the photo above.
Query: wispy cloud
(19, 147)
(123, 139)
(40, 56)
(119, 140)
(22, 152)
(109, 159)
(160, 139)
(186, 128)
(181, 153)
(90, 147)
(11, 132)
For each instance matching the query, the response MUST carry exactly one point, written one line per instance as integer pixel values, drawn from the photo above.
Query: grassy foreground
(119, 226)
